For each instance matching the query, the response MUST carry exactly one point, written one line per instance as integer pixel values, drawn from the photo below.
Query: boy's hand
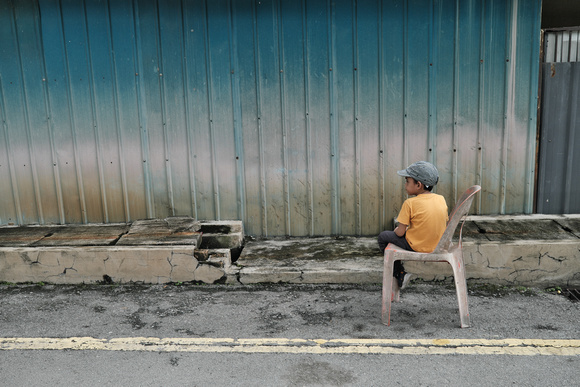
(401, 229)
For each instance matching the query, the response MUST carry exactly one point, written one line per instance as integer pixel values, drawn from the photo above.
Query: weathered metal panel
(562, 45)
(293, 116)
(560, 139)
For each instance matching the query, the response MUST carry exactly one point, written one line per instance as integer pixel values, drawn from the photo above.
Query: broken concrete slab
(14, 236)
(221, 226)
(514, 229)
(570, 224)
(85, 235)
(220, 234)
(169, 231)
(221, 259)
(149, 251)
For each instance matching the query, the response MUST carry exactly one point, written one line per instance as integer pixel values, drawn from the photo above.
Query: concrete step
(223, 234)
(528, 250)
(150, 251)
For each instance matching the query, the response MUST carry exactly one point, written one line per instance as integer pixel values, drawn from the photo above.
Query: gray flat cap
(423, 172)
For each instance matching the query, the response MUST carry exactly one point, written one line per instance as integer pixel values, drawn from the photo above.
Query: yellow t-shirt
(426, 216)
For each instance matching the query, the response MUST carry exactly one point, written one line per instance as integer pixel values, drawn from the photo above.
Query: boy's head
(422, 172)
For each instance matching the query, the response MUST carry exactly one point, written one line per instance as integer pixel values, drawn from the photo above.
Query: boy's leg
(387, 237)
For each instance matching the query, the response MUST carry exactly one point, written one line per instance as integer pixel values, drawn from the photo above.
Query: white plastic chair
(444, 252)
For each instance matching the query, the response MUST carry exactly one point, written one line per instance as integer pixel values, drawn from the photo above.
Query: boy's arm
(401, 229)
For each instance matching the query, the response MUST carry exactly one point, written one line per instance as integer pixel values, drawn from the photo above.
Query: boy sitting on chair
(422, 219)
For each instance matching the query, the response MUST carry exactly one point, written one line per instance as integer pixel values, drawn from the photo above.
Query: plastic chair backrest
(459, 211)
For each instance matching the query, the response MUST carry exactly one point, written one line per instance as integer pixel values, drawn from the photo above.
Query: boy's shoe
(399, 277)
(406, 280)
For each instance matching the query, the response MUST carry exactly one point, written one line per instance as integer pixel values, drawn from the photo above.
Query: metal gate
(559, 164)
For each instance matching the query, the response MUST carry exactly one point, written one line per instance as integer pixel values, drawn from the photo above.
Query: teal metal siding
(293, 116)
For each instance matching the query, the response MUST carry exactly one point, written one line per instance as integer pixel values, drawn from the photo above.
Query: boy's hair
(427, 187)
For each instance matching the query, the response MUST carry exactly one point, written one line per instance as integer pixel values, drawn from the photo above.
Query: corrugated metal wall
(290, 115)
(558, 182)
(562, 45)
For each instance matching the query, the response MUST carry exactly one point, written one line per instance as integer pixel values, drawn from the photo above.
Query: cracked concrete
(148, 251)
(529, 250)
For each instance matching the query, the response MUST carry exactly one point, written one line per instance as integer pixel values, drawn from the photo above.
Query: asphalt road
(284, 335)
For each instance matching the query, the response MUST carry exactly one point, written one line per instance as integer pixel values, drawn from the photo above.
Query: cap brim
(403, 173)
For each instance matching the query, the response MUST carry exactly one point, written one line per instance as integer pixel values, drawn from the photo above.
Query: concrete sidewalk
(531, 250)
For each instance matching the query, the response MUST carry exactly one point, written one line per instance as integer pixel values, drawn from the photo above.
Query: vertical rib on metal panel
(481, 88)
(394, 104)
(210, 104)
(432, 86)
(532, 139)
(188, 115)
(283, 126)
(95, 118)
(11, 169)
(262, 166)
(141, 106)
(381, 109)
(257, 68)
(50, 127)
(164, 113)
(509, 113)
(117, 108)
(357, 145)
(59, 38)
(405, 90)
(454, 138)
(236, 102)
(57, 178)
(27, 127)
(309, 166)
(334, 150)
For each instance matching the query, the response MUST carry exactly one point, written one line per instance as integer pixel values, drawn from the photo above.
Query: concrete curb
(149, 251)
(505, 250)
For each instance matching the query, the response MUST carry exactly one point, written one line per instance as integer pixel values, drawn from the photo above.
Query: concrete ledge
(149, 251)
(68, 265)
(512, 250)
(506, 250)
(311, 260)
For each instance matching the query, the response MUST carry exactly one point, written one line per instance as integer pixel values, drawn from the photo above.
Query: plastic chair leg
(387, 289)
(461, 289)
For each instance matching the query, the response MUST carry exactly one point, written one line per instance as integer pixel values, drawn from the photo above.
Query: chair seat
(402, 254)
(444, 252)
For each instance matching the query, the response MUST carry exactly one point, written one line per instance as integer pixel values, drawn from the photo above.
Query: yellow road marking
(519, 347)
